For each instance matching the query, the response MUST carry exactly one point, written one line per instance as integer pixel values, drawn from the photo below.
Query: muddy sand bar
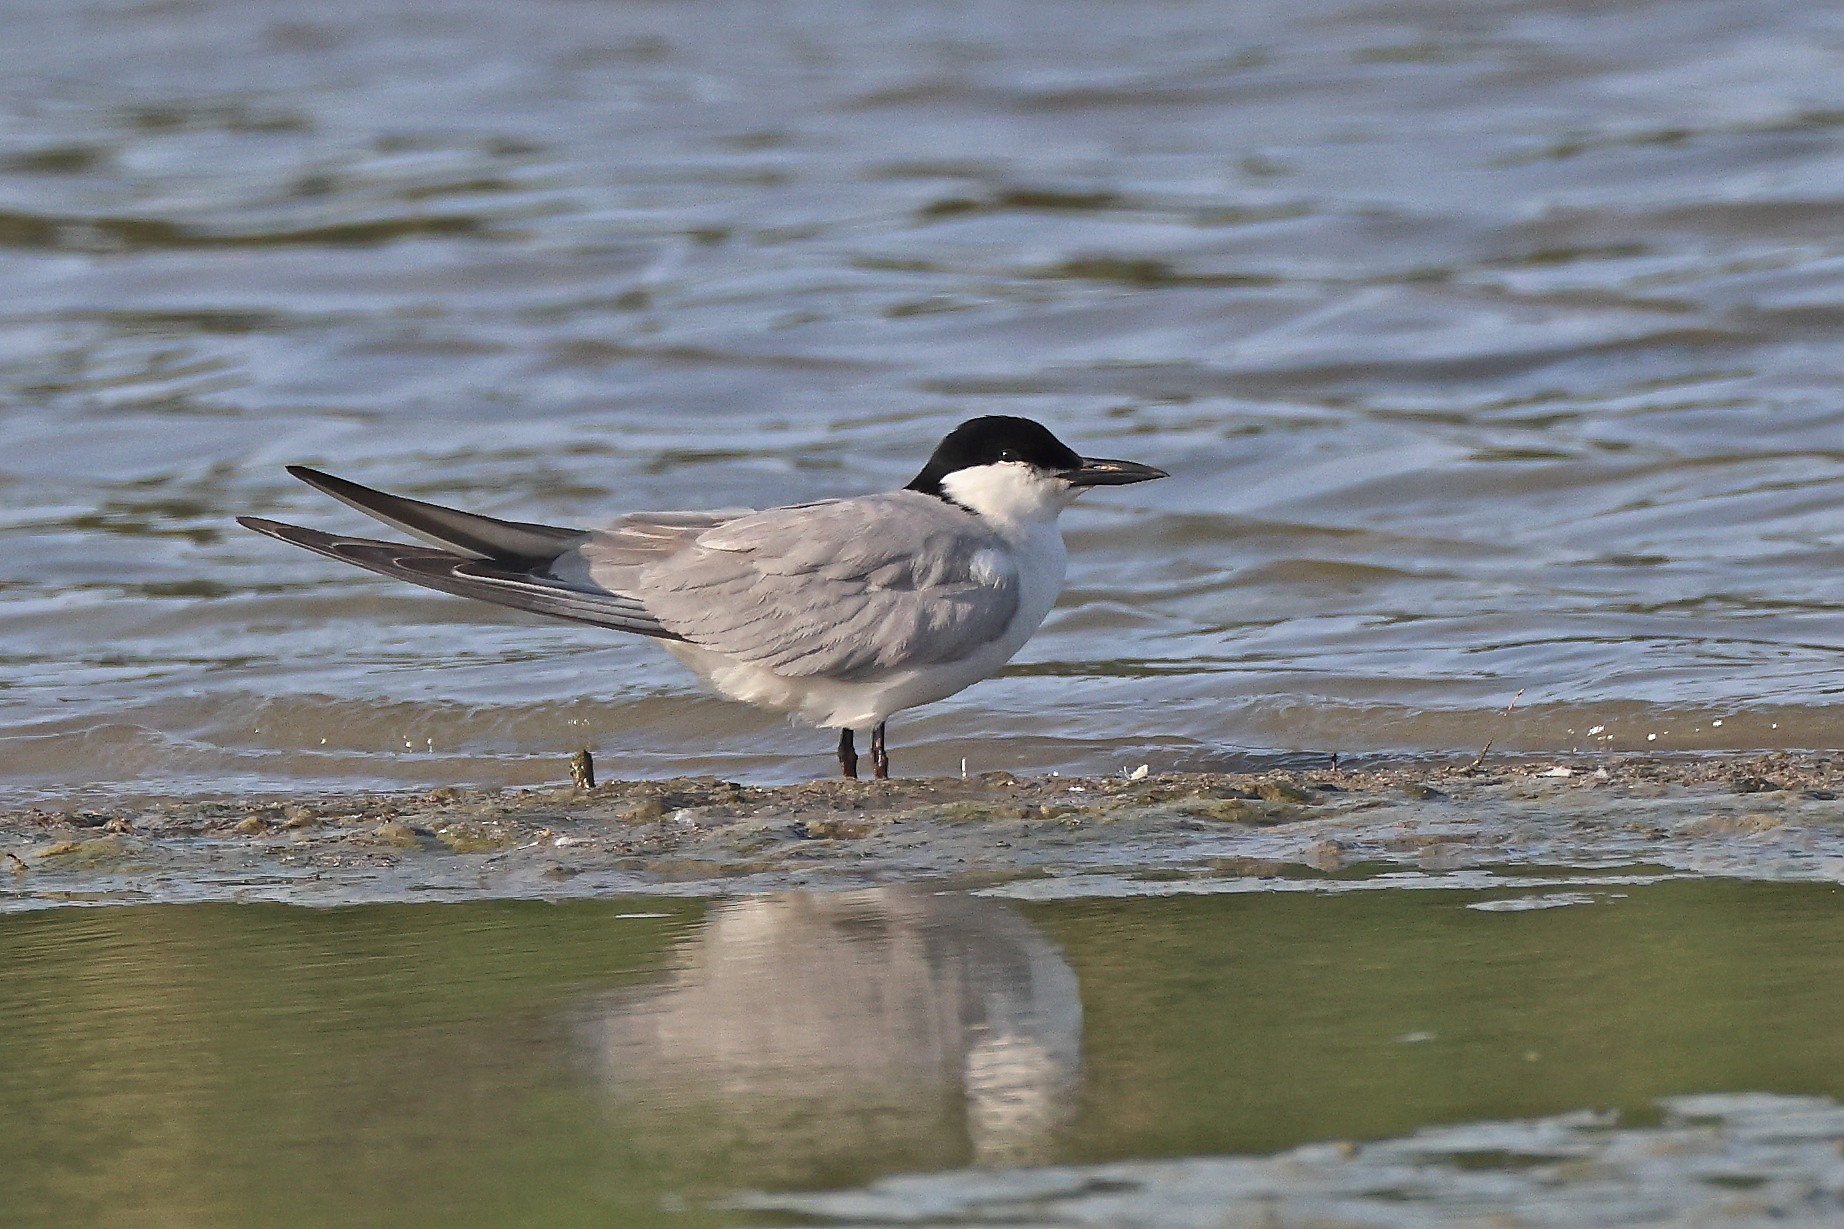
(1777, 816)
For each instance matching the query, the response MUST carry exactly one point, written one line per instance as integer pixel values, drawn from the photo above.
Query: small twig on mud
(1473, 767)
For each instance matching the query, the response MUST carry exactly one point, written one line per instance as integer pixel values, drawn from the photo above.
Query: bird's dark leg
(880, 759)
(848, 755)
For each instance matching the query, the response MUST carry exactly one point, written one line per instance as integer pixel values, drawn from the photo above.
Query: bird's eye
(1009, 455)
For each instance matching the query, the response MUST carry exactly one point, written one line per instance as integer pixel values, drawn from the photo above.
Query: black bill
(1096, 471)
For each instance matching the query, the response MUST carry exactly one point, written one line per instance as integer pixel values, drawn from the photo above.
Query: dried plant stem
(1498, 728)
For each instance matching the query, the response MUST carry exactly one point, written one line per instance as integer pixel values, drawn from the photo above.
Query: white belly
(865, 702)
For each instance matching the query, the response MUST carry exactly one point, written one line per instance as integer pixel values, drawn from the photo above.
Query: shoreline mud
(1777, 816)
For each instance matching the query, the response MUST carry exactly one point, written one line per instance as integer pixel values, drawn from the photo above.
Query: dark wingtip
(281, 531)
(482, 536)
(313, 477)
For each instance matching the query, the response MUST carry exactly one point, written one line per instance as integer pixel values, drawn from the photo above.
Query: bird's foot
(848, 755)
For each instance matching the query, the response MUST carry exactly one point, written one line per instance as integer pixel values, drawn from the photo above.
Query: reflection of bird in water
(815, 1033)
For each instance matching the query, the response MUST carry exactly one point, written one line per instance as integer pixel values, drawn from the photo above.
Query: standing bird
(839, 612)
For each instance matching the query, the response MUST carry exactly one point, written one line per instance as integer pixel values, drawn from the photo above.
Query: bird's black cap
(989, 440)
(999, 437)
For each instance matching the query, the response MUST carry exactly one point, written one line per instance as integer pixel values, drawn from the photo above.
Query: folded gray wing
(615, 558)
(845, 589)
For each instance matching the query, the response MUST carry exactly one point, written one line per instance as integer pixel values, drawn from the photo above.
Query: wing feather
(842, 589)
(466, 576)
(846, 589)
(465, 533)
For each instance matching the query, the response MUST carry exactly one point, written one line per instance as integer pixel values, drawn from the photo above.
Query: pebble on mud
(1281, 791)
(976, 812)
(838, 829)
(89, 853)
(1245, 811)
(400, 835)
(1731, 825)
(470, 838)
(1327, 855)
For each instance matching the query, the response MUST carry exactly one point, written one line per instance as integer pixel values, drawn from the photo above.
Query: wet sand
(1778, 816)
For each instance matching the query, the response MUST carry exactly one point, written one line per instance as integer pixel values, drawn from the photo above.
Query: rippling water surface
(1491, 346)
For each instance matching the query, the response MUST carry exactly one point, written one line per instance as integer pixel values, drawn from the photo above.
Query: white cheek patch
(1004, 491)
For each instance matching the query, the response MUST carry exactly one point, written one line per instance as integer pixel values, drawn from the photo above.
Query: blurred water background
(1491, 346)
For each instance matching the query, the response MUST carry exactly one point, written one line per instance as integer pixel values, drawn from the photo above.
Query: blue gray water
(1492, 347)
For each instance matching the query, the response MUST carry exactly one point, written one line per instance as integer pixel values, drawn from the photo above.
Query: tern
(838, 612)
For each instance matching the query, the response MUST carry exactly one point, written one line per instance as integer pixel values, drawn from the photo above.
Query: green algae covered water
(1627, 1054)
